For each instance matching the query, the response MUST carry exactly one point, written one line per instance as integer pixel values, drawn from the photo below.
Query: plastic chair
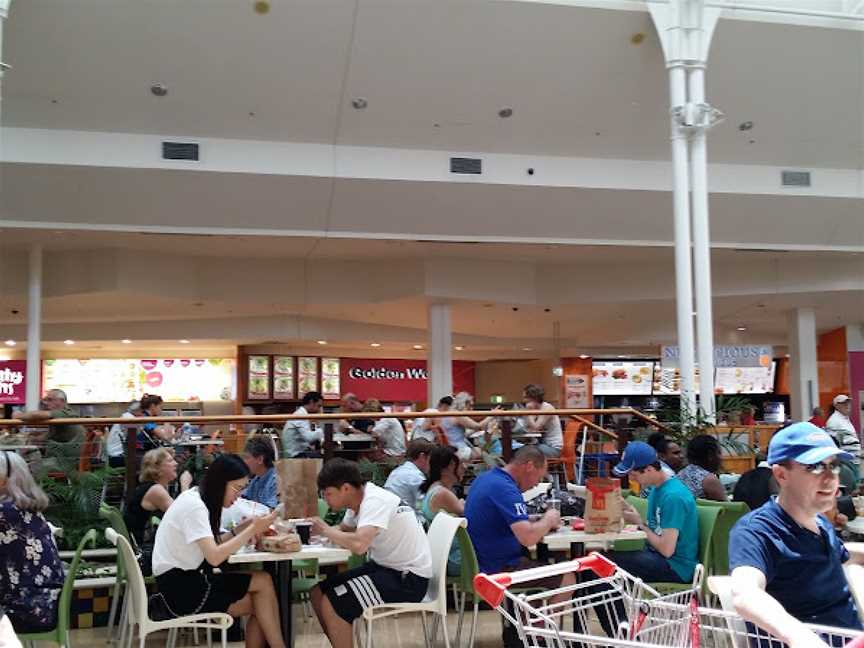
(707, 523)
(308, 576)
(732, 512)
(60, 634)
(463, 584)
(855, 577)
(567, 460)
(441, 534)
(115, 520)
(138, 615)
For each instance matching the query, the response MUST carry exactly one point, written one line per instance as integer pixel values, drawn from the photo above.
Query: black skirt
(196, 591)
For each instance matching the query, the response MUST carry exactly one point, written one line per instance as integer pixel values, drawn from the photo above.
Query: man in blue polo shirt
(786, 559)
(499, 526)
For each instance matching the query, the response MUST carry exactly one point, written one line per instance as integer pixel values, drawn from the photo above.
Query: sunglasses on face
(820, 468)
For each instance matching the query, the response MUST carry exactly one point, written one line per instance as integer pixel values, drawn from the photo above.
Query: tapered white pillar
(439, 356)
(34, 328)
(803, 364)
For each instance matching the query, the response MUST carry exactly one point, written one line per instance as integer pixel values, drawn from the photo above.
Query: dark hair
(439, 459)
(311, 397)
(225, 468)
(659, 441)
(534, 392)
(337, 472)
(417, 447)
(149, 400)
(704, 451)
(261, 446)
(528, 454)
(446, 400)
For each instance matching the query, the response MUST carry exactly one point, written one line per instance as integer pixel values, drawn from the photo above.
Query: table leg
(577, 550)
(542, 552)
(280, 571)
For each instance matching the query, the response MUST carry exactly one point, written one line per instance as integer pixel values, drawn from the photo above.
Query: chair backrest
(470, 567)
(440, 535)
(707, 524)
(114, 517)
(136, 589)
(64, 604)
(732, 512)
(855, 577)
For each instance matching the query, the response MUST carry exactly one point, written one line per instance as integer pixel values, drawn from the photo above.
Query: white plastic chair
(440, 535)
(137, 613)
(855, 578)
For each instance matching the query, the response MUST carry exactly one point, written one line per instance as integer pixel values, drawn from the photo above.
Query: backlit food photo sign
(13, 381)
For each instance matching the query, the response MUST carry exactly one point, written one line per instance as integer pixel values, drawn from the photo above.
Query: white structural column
(803, 366)
(439, 361)
(34, 327)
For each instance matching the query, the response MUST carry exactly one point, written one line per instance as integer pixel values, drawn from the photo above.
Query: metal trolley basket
(634, 614)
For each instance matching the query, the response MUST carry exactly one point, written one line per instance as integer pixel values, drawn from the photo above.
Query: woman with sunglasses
(31, 574)
(189, 544)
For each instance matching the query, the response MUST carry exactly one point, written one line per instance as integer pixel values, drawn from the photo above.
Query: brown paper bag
(603, 505)
(298, 486)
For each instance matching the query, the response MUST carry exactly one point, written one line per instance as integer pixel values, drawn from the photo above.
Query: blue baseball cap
(637, 454)
(804, 443)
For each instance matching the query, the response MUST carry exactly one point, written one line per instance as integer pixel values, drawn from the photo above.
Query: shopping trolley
(630, 613)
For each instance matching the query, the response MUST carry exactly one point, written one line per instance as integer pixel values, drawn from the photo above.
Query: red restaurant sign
(13, 382)
(397, 380)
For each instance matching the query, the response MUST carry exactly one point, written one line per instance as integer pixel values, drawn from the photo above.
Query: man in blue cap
(786, 559)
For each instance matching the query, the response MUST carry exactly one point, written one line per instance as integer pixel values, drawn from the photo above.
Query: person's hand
(806, 639)
(553, 518)
(185, 480)
(318, 525)
(630, 514)
(840, 520)
(261, 524)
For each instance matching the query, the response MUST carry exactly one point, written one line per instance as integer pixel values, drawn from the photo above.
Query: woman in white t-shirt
(189, 544)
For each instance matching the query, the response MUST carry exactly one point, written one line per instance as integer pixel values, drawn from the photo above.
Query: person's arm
(36, 416)
(754, 604)
(446, 500)
(470, 424)
(356, 541)
(157, 499)
(530, 533)
(664, 543)
(713, 488)
(856, 552)
(216, 554)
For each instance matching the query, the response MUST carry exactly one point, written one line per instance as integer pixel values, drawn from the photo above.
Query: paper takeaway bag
(298, 486)
(603, 505)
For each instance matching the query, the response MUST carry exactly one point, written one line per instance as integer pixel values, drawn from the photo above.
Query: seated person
(259, 456)
(428, 428)
(299, 438)
(69, 438)
(153, 435)
(151, 498)
(668, 452)
(456, 427)
(548, 425)
(30, 578)
(400, 562)
(445, 471)
(786, 559)
(352, 405)
(700, 473)
(115, 445)
(407, 478)
(388, 432)
(499, 526)
(189, 545)
(755, 487)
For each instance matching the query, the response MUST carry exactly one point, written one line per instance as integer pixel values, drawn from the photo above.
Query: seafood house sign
(13, 382)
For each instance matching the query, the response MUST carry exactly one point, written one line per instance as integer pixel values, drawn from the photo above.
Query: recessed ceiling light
(126, 341)
(742, 328)
(637, 39)
(527, 349)
(506, 112)
(10, 342)
(159, 89)
(359, 103)
(418, 347)
(584, 357)
(375, 345)
(262, 7)
(622, 356)
(183, 341)
(68, 342)
(745, 126)
(322, 342)
(459, 348)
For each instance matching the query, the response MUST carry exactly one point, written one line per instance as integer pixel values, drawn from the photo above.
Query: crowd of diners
(786, 557)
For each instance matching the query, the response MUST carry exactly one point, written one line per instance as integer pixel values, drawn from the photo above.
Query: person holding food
(299, 438)
(549, 425)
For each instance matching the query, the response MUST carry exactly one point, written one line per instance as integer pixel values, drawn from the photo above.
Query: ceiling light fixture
(418, 347)
(459, 348)
(742, 328)
(183, 341)
(262, 7)
(126, 341)
(322, 342)
(68, 342)
(527, 349)
(359, 103)
(10, 342)
(583, 356)
(504, 113)
(159, 89)
(375, 345)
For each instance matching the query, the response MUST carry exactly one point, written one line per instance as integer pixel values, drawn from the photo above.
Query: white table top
(856, 526)
(13, 448)
(200, 442)
(327, 555)
(560, 540)
(527, 435)
(357, 437)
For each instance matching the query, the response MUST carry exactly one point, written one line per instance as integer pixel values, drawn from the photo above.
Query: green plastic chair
(732, 512)
(60, 634)
(708, 516)
(463, 584)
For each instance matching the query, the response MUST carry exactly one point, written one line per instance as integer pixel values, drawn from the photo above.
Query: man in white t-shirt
(400, 562)
(548, 425)
(429, 428)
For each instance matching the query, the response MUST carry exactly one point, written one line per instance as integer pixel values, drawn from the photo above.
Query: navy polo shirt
(494, 503)
(803, 570)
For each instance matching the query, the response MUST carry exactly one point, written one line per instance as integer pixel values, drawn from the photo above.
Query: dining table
(278, 565)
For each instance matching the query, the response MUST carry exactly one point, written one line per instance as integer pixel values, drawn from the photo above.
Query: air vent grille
(471, 166)
(187, 151)
(796, 178)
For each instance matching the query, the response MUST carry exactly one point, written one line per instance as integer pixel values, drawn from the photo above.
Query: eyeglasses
(820, 468)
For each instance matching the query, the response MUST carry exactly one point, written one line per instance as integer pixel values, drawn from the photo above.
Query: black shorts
(353, 591)
(547, 583)
(197, 591)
